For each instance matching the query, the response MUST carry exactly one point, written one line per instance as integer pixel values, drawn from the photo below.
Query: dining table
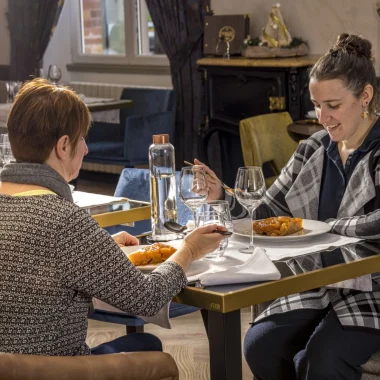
(303, 129)
(111, 211)
(221, 305)
(334, 259)
(303, 262)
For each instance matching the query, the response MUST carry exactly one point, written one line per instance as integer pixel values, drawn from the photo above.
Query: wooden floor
(186, 341)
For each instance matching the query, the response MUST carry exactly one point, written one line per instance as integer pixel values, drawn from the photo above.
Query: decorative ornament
(275, 33)
(275, 40)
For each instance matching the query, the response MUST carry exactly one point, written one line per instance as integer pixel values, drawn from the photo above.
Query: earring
(364, 113)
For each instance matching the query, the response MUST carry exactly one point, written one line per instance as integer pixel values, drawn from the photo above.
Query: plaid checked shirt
(296, 193)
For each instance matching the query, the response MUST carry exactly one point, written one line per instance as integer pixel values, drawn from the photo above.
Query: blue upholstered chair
(134, 184)
(127, 143)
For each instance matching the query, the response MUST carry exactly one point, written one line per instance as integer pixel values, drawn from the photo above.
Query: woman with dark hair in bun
(328, 333)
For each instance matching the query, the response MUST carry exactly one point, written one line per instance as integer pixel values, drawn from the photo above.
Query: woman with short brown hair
(54, 256)
(40, 115)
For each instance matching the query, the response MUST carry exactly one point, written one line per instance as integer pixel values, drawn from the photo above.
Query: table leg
(224, 334)
(204, 314)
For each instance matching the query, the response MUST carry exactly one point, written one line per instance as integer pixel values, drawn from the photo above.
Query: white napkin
(308, 263)
(161, 318)
(279, 249)
(251, 268)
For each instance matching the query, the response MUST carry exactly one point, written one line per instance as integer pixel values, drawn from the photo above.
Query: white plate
(193, 269)
(311, 228)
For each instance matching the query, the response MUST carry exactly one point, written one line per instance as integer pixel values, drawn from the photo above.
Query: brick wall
(92, 26)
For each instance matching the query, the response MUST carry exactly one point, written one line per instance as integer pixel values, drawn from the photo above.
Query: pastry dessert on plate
(278, 226)
(152, 254)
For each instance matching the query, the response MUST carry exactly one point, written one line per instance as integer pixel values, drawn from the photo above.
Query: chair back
(134, 183)
(265, 142)
(123, 366)
(147, 101)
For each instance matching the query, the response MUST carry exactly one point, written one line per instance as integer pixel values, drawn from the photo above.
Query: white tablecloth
(278, 249)
(258, 268)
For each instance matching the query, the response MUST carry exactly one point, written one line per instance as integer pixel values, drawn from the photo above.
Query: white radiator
(104, 90)
(97, 90)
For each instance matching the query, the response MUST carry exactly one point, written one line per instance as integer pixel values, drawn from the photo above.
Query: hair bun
(352, 43)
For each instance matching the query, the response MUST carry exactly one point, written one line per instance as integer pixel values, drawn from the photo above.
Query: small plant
(296, 41)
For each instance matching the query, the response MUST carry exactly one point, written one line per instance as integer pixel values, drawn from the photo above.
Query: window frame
(131, 58)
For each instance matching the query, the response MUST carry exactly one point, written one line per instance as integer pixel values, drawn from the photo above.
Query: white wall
(316, 21)
(4, 35)
(58, 51)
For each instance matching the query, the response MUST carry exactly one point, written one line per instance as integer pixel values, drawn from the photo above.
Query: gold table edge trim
(108, 219)
(235, 300)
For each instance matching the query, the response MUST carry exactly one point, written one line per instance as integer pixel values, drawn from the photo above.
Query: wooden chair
(123, 366)
(265, 142)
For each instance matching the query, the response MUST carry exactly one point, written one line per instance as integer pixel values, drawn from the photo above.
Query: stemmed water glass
(6, 155)
(193, 188)
(5, 149)
(249, 190)
(54, 74)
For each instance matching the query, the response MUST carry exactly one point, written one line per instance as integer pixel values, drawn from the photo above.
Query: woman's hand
(202, 240)
(122, 239)
(215, 190)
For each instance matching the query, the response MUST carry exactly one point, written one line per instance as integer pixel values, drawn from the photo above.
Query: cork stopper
(160, 139)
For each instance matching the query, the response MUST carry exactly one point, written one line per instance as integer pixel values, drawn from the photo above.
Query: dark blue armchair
(127, 143)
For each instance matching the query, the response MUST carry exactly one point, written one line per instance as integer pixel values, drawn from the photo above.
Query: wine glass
(193, 188)
(54, 74)
(249, 190)
(5, 149)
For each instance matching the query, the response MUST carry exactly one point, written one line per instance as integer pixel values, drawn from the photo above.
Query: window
(114, 31)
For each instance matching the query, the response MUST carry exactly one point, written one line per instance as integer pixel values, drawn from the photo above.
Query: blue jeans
(129, 343)
(308, 345)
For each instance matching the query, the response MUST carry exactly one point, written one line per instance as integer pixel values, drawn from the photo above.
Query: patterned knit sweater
(53, 259)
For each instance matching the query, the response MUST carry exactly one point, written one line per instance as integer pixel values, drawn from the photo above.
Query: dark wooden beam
(4, 72)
